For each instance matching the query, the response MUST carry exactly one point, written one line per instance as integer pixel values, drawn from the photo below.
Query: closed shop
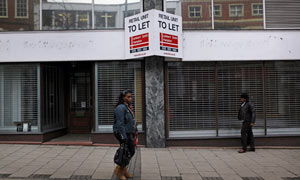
(204, 97)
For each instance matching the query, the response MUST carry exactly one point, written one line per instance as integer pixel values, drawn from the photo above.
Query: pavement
(19, 161)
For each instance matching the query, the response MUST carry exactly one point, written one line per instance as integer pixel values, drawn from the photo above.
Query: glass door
(80, 98)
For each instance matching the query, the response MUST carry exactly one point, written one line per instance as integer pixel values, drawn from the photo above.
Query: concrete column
(154, 92)
(155, 99)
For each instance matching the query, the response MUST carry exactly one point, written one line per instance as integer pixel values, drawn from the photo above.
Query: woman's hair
(122, 95)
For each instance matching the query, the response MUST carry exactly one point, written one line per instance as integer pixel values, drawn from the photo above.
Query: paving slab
(52, 162)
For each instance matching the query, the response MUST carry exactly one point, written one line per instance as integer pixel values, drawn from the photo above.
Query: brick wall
(11, 23)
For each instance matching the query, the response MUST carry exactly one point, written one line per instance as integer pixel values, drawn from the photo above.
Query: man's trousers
(247, 136)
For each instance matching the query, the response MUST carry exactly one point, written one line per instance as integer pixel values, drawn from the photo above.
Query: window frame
(189, 14)
(220, 5)
(16, 10)
(6, 8)
(252, 9)
(229, 10)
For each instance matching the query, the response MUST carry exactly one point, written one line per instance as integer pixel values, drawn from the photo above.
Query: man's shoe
(252, 149)
(242, 151)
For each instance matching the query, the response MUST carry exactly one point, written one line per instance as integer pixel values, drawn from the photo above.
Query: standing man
(247, 115)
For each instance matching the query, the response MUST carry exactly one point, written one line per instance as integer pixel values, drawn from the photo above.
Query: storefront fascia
(52, 46)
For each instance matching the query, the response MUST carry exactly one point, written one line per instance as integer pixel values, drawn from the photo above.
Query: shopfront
(66, 97)
(65, 74)
(203, 97)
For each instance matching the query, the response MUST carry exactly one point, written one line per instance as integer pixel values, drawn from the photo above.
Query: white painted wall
(241, 45)
(109, 45)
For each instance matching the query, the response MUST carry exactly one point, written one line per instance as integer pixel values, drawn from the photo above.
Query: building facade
(65, 74)
(17, 15)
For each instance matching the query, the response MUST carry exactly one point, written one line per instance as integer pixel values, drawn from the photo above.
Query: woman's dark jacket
(124, 122)
(247, 113)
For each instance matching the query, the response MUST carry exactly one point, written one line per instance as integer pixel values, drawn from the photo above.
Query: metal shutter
(282, 13)
(192, 98)
(283, 94)
(18, 95)
(53, 99)
(112, 78)
(233, 79)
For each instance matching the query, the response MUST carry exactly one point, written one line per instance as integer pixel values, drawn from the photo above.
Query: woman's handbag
(122, 156)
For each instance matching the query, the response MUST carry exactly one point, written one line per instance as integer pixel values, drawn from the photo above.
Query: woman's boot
(126, 174)
(119, 172)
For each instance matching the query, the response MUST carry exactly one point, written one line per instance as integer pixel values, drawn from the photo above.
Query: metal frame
(39, 96)
(93, 14)
(166, 84)
(264, 97)
(213, 15)
(217, 98)
(264, 14)
(41, 14)
(2, 95)
(96, 97)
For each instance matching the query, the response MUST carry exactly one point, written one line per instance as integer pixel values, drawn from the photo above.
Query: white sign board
(153, 33)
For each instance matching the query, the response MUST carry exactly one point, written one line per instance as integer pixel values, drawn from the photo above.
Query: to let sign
(153, 33)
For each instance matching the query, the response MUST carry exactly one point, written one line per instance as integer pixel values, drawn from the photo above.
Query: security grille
(233, 79)
(18, 95)
(204, 97)
(192, 97)
(282, 13)
(282, 94)
(53, 99)
(113, 77)
(194, 89)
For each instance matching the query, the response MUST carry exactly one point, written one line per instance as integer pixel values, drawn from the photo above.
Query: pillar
(154, 92)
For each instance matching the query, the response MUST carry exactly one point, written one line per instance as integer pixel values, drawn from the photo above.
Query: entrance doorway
(80, 97)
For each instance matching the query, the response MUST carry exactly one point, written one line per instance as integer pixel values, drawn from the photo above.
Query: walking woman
(124, 128)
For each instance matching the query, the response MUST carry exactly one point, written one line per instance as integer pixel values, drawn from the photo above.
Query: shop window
(204, 98)
(131, 12)
(47, 19)
(105, 20)
(235, 78)
(83, 20)
(18, 96)
(112, 78)
(171, 10)
(282, 94)
(64, 20)
(191, 99)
